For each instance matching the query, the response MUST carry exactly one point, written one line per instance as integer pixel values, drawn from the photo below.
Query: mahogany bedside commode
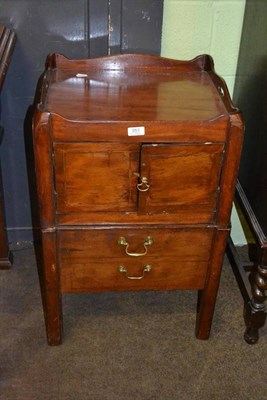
(136, 163)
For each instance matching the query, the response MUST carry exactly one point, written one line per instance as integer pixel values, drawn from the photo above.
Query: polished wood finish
(197, 188)
(7, 43)
(136, 162)
(90, 259)
(85, 176)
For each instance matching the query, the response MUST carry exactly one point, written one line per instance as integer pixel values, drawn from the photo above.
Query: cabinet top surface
(162, 93)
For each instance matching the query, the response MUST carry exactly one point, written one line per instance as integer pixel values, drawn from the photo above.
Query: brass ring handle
(123, 270)
(143, 186)
(123, 242)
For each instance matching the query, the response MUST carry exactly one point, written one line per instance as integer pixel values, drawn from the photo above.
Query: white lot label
(136, 131)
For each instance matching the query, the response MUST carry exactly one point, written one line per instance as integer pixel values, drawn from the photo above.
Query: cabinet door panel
(180, 177)
(93, 177)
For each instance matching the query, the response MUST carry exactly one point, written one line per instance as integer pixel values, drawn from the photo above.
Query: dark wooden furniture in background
(136, 163)
(250, 95)
(7, 42)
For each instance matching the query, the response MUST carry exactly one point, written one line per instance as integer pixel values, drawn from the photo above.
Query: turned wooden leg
(49, 280)
(207, 296)
(255, 310)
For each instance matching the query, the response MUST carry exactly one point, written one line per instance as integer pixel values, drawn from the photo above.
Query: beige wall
(193, 27)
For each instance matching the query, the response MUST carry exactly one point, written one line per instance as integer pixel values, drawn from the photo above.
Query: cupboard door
(93, 177)
(179, 177)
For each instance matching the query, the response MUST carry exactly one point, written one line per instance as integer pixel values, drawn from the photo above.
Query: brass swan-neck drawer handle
(123, 270)
(123, 242)
(143, 186)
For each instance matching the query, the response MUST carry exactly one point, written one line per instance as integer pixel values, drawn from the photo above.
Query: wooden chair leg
(255, 309)
(253, 290)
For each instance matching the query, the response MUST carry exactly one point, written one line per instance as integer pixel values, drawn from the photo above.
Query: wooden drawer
(90, 259)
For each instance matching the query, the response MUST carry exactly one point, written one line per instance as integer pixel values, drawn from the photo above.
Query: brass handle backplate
(143, 186)
(123, 242)
(123, 270)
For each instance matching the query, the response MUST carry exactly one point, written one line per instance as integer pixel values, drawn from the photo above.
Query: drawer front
(133, 259)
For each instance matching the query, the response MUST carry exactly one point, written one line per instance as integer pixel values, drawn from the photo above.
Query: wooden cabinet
(136, 161)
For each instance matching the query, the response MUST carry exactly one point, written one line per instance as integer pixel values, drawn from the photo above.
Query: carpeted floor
(124, 346)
